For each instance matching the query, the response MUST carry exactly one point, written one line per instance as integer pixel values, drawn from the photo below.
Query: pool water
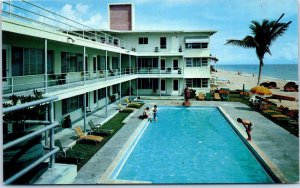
(191, 145)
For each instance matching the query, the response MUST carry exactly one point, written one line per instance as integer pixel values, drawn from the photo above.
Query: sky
(230, 18)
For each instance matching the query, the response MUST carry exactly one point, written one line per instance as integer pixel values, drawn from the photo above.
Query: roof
(211, 32)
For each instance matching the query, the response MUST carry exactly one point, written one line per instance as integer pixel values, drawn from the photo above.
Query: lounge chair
(82, 136)
(98, 130)
(200, 96)
(67, 152)
(208, 97)
(134, 103)
(125, 109)
(217, 96)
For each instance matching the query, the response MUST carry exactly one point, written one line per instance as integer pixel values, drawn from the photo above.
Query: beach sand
(236, 81)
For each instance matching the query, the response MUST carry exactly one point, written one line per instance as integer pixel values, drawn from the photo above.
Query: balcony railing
(55, 81)
(36, 15)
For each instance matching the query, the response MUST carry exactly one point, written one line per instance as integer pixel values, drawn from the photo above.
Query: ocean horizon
(287, 72)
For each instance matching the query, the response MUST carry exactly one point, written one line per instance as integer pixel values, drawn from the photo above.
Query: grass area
(90, 148)
(235, 97)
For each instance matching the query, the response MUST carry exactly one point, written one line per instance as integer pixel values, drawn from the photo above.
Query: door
(163, 86)
(175, 87)
(162, 64)
(175, 64)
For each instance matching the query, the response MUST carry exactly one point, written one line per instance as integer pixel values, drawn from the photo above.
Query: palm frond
(247, 42)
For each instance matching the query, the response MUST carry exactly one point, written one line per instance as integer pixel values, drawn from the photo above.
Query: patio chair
(200, 96)
(125, 109)
(98, 130)
(134, 103)
(82, 136)
(67, 152)
(208, 97)
(217, 96)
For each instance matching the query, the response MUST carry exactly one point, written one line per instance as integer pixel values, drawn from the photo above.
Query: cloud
(81, 13)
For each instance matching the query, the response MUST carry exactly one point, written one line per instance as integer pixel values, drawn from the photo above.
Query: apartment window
(196, 62)
(101, 62)
(163, 42)
(30, 61)
(147, 62)
(143, 40)
(101, 93)
(71, 62)
(196, 43)
(162, 64)
(115, 62)
(147, 83)
(197, 82)
(72, 104)
(95, 64)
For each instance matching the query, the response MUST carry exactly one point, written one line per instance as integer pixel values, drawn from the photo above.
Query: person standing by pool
(155, 113)
(147, 114)
(248, 126)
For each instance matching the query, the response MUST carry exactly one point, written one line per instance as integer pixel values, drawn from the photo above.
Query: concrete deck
(278, 149)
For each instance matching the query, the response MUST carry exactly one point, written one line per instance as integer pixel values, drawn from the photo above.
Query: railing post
(46, 67)
(51, 119)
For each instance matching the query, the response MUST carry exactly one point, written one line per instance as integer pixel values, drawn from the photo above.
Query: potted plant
(67, 122)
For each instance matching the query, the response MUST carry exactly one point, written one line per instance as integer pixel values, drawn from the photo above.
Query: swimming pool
(190, 145)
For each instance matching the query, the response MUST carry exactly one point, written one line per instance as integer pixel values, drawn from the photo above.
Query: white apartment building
(82, 66)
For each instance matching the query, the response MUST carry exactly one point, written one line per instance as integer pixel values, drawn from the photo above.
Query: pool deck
(278, 148)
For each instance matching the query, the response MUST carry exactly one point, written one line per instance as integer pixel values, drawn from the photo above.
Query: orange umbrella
(261, 90)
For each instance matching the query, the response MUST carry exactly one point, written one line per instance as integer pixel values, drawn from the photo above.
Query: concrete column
(84, 108)
(106, 65)
(84, 78)
(106, 102)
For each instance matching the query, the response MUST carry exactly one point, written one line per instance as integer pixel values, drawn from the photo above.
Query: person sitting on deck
(248, 126)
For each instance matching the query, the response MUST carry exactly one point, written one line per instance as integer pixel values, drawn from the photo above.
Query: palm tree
(264, 34)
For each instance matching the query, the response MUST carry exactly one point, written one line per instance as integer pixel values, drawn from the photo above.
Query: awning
(196, 40)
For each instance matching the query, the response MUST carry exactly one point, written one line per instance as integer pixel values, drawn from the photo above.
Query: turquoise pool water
(190, 145)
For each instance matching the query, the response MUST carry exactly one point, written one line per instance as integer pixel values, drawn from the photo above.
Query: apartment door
(175, 87)
(175, 64)
(163, 86)
(163, 64)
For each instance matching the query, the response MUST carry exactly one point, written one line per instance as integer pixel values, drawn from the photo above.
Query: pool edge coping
(256, 151)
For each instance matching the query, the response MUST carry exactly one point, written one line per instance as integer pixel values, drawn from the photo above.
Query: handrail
(83, 31)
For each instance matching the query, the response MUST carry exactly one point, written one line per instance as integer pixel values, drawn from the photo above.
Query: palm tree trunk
(259, 72)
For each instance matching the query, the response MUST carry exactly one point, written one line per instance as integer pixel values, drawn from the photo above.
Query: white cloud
(81, 13)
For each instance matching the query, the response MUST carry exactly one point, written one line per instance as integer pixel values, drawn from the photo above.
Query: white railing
(36, 15)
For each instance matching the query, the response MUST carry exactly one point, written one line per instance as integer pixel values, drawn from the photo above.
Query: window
(30, 61)
(197, 82)
(71, 62)
(72, 104)
(163, 42)
(95, 64)
(143, 40)
(115, 63)
(147, 62)
(101, 93)
(101, 62)
(148, 83)
(196, 45)
(196, 62)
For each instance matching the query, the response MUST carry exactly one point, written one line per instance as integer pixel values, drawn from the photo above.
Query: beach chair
(97, 130)
(200, 96)
(208, 97)
(125, 109)
(217, 97)
(82, 136)
(67, 152)
(133, 103)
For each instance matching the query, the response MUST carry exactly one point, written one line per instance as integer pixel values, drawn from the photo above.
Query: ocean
(281, 71)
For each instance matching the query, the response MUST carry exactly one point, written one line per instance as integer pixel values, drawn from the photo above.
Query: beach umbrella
(261, 91)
